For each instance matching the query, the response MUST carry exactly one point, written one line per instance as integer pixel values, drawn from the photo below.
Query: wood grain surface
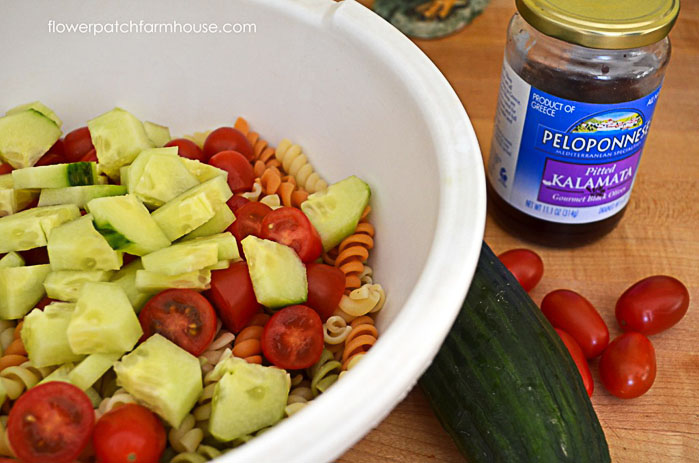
(658, 235)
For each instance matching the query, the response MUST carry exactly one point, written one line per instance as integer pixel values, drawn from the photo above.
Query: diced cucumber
(126, 278)
(13, 201)
(149, 281)
(336, 211)
(59, 374)
(227, 245)
(78, 195)
(77, 245)
(25, 137)
(158, 175)
(247, 398)
(20, 289)
(220, 265)
(6, 182)
(65, 285)
(181, 258)
(192, 208)
(30, 229)
(87, 372)
(36, 106)
(162, 375)
(127, 225)
(11, 259)
(44, 335)
(56, 176)
(124, 176)
(278, 275)
(158, 134)
(118, 137)
(104, 321)
(203, 172)
(222, 219)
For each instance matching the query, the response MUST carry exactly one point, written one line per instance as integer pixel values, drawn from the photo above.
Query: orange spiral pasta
(353, 252)
(15, 354)
(247, 343)
(359, 340)
(260, 148)
(274, 183)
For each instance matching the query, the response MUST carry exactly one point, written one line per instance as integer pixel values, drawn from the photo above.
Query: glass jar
(579, 85)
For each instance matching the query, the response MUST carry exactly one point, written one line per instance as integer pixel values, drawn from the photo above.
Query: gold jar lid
(611, 24)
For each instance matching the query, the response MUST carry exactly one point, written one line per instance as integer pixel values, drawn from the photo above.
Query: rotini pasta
(214, 353)
(7, 330)
(363, 300)
(272, 182)
(260, 148)
(296, 164)
(247, 343)
(18, 378)
(324, 373)
(359, 341)
(299, 395)
(353, 252)
(336, 330)
(187, 437)
(14, 353)
(120, 397)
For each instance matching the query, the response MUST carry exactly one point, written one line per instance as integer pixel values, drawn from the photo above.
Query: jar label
(561, 160)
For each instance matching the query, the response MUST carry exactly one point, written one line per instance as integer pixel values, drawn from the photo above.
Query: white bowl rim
(324, 432)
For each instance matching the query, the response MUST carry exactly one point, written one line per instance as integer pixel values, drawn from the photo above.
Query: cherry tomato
(236, 202)
(129, 434)
(579, 359)
(232, 294)
(49, 159)
(240, 173)
(326, 284)
(525, 265)
(5, 168)
(77, 144)
(36, 256)
(227, 139)
(652, 305)
(627, 367)
(9, 460)
(183, 316)
(90, 156)
(291, 227)
(293, 338)
(187, 149)
(50, 422)
(576, 316)
(44, 302)
(58, 148)
(248, 221)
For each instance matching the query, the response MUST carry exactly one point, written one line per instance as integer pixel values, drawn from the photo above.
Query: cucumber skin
(80, 174)
(503, 384)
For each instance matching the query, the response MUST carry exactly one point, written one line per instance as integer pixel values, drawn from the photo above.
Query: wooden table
(658, 235)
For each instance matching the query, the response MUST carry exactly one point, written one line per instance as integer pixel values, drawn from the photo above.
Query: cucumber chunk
(150, 281)
(31, 228)
(59, 374)
(278, 275)
(11, 259)
(87, 372)
(118, 137)
(56, 176)
(127, 225)
(335, 212)
(227, 245)
(36, 106)
(247, 398)
(181, 258)
(163, 376)
(44, 335)
(158, 175)
(20, 289)
(78, 195)
(6, 182)
(77, 245)
(158, 134)
(203, 172)
(222, 219)
(65, 285)
(103, 321)
(192, 208)
(13, 200)
(25, 137)
(126, 278)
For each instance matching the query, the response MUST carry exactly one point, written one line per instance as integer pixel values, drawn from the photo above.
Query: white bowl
(337, 79)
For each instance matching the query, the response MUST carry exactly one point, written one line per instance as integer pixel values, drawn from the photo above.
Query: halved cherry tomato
(293, 338)
(90, 156)
(652, 305)
(579, 359)
(525, 265)
(58, 148)
(575, 315)
(627, 367)
(44, 302)
(232, 294)
(236, 202)
(248, 221)
(50, 158)
(240, 173)
(227, 139)
(50, 422)
(290, 226)
(9, 460)
(36, 256)
(183, 316)
(5, 168)
(187, 149)
(77, 144)
(326, 284)
(129, 434)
